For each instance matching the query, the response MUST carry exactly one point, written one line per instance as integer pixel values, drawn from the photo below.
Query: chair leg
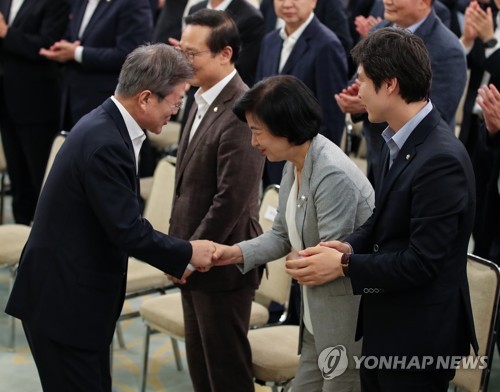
(144, 375)
(119, 335)
(177, 354)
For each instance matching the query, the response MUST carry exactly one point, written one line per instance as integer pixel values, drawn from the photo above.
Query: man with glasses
(72, 275)
(216, 197)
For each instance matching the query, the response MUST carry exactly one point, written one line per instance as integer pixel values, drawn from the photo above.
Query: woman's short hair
(285, 106)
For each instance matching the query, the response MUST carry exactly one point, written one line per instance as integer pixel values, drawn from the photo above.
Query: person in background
(30, 95)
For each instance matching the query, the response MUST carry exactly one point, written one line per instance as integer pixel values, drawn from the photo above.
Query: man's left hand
(318, 265)
(61, 51)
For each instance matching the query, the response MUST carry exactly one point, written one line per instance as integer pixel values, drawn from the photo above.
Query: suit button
(375, 248)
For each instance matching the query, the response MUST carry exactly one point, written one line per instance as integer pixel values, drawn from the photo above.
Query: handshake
(312, 266)
(207, 254)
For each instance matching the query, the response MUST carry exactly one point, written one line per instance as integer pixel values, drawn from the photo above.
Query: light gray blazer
(335, 197)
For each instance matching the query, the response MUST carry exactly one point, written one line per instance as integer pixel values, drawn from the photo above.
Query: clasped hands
(311, 267)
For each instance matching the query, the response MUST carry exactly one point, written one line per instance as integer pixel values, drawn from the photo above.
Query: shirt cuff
(79, 54)
(191, 267)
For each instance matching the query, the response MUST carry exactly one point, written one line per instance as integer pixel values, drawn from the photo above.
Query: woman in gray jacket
(323, 196)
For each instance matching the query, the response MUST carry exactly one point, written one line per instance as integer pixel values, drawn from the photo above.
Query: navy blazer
(73, 270)
(30, 81)
(331, 13)
(319, 60)
(410, 257)
(251, 27)
(116, 28)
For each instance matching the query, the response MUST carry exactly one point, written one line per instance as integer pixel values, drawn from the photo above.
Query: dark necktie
(5, 9)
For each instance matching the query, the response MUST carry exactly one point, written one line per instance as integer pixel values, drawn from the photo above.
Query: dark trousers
(27, 148)
(217, 347)
(382, 380)
(66, 368)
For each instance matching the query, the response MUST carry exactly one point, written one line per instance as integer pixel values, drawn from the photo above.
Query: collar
(415, 26)
(134, 130)
(209, 96)
(399, 138)
(221, 7)
(297, 33)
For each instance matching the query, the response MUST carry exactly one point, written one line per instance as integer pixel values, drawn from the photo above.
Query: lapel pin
(408, 157)
(215, 109)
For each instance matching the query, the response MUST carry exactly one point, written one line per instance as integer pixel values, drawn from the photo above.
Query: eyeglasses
(175, 106)
(191, 54)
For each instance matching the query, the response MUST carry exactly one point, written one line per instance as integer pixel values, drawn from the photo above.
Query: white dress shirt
(14, 9)
(289, 41)
(204, 100)
(135, 132)
(89, 11)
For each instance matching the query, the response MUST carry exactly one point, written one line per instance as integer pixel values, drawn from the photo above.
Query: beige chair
(13, 237)
(142, 278)
(164, 143)
(274, 354)
(484, 286)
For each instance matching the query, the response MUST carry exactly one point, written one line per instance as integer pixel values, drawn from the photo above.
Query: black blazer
(116, 28)
(409, 260)
(251, 27)
(72, 275)
(169, 22)
(31, 83)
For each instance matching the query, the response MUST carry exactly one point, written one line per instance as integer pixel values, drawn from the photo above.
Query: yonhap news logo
(333, 362)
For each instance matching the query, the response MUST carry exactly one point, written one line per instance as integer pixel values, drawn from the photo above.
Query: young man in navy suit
(72, 275)
(408, 261)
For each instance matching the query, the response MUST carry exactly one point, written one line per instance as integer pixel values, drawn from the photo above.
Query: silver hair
(155, 67)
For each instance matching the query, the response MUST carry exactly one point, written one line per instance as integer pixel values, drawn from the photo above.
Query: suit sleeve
(251, 30)
(492, 64)
(437, 200)
(110, 191)
(449, 75)
(132, 26)
(239, 167)
(335, 18)
(330, 78)
(51, 26)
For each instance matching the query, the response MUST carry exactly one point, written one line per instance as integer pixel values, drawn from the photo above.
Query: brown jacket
(216, 187)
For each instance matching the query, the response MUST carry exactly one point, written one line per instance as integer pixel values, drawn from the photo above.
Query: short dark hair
(396, 53)
(224, 31)
(156, 67)
(285, 106)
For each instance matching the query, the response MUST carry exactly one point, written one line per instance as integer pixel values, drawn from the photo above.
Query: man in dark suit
(30, 95)
(408, 261)
(331, 13)
(71, 280)
(449, 73)
(216, 197)
(251, 27)
(169, 22)
(308, 50)
(100, 35)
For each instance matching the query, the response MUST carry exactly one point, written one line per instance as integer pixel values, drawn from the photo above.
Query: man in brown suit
(216, 197)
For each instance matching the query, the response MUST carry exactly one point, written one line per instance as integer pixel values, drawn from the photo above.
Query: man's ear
(391, 85)
(144, 97)
(226, 54)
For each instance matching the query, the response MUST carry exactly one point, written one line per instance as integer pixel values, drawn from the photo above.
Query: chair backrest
(276, 283)
(159, 204)
(484, 284)
(56, 145)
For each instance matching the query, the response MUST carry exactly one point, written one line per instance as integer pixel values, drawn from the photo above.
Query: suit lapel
(427, 27)
(115, 114)
(301, 47)
(76, 19)
(213, 113)
(102, 7)
(20, 14)
(405, 157)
